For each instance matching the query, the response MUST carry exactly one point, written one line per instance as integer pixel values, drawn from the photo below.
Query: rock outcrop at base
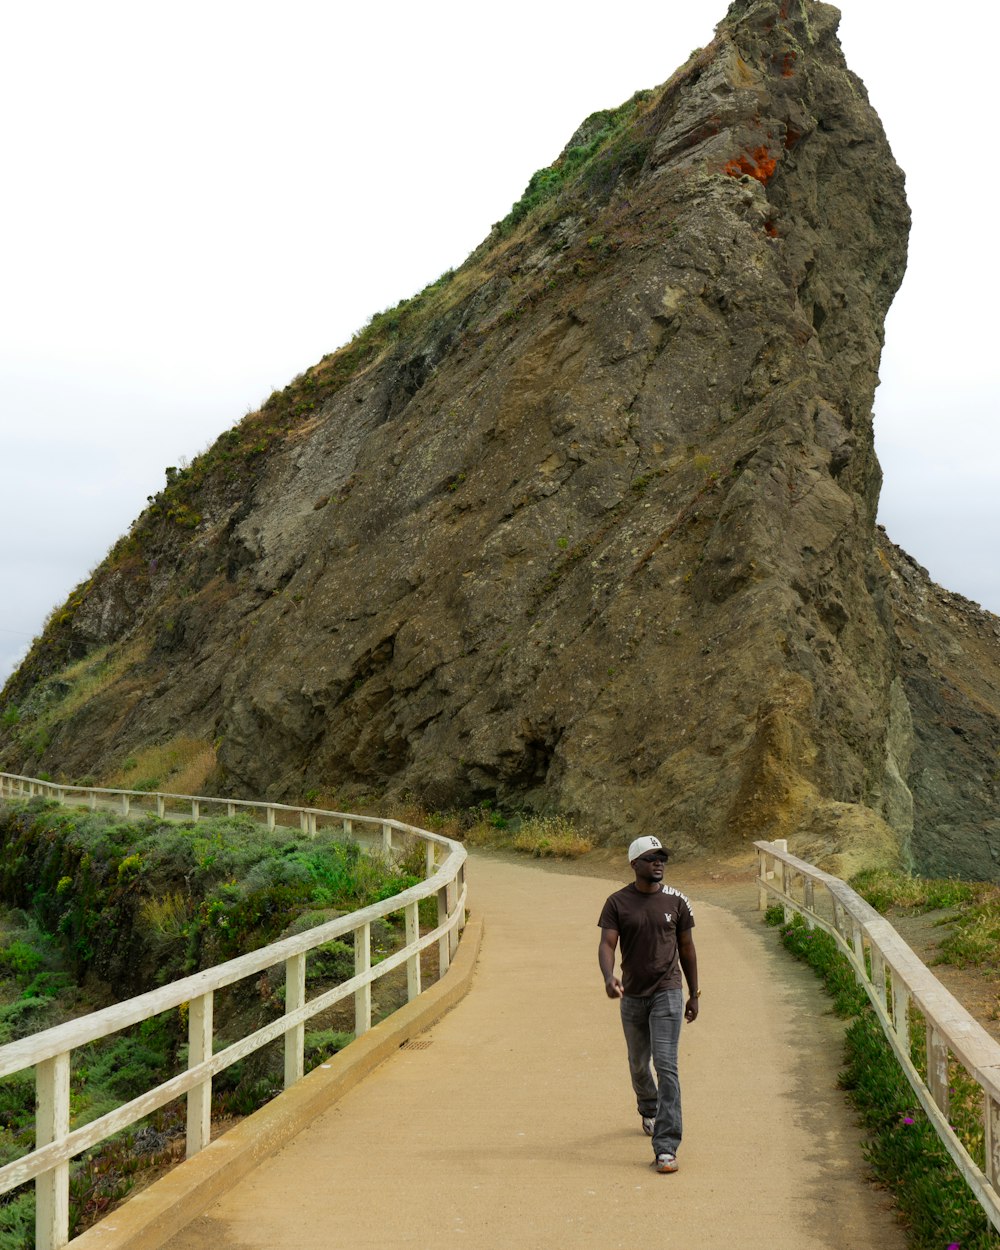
(589, 524)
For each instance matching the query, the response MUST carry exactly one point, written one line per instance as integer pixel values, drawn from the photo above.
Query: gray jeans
(652, 1030)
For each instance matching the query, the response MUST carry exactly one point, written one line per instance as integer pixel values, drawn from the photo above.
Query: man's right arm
(606, 959)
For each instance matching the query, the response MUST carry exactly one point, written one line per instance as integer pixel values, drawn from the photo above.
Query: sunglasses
(652, 859)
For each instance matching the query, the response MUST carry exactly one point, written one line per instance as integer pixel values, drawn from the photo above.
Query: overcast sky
(202, 199)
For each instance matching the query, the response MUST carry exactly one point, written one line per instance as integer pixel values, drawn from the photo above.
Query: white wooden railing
(897, 983)
(49, 1052)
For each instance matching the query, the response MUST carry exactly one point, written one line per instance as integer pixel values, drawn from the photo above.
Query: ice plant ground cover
(903, 1150)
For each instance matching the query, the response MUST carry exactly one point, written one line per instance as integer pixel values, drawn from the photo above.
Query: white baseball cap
(641, 845)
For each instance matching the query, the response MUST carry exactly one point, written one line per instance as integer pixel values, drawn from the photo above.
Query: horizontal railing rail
(49, 1052)
(898, 983)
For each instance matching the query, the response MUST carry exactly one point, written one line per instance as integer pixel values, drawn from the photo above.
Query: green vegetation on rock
(602, 148)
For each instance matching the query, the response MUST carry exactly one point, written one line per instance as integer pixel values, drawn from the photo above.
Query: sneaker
(666, 1163)
(647, 1124)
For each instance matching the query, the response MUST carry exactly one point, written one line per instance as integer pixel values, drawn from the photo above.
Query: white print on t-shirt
(668, 916)
(666, 889)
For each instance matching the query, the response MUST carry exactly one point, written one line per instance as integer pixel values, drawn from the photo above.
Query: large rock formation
(589, 524)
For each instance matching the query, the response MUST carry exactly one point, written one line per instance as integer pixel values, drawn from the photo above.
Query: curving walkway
(512, 1124)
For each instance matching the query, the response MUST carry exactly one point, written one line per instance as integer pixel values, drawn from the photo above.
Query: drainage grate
(412, 1045)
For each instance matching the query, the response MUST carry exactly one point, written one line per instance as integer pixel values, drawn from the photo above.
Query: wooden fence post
(878, 974)
(51, 1123)
(295, 997)
(413, 962)
(363, 994)
(900, 1011)
(858, 943)
(444, 946)
(937, 1068)
(199, 1099)
(991, 1120)
(453, 932)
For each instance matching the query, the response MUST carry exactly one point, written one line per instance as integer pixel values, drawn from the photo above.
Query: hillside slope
(590, 523)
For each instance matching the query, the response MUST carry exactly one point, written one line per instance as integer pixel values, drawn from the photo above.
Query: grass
(601, 153)
(555, 836)
(884, 888)
(180, 766)
(973, 939)
(541, 836)
(903, 1150)
(56, 698)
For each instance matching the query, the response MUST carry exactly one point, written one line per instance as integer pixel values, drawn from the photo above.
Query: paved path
(515, 1126)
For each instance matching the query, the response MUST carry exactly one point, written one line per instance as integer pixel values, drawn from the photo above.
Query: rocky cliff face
(589, 524)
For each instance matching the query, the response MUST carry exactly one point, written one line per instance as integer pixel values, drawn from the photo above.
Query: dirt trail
(512, 1123)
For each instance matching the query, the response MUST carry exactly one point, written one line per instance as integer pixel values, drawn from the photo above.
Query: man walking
(653, 922)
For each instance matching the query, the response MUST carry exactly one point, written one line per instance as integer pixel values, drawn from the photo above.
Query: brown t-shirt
(648, 925)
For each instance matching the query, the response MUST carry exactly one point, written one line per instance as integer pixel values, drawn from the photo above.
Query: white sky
(200, 199)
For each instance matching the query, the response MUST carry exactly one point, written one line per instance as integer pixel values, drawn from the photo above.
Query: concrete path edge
(150, 1218)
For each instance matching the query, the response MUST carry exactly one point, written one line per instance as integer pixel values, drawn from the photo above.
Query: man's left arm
(689, 965)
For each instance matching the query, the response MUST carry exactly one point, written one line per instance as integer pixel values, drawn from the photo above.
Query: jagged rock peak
(588, 524)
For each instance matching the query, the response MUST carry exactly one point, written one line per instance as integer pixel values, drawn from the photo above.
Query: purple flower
(953, 1245)
(909, 1120)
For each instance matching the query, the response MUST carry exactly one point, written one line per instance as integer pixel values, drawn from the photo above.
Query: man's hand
(613, 988)
(691, 1010)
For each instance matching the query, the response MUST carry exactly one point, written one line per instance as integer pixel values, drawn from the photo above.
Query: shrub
(541, 836)
(134, 901)
(551, 835)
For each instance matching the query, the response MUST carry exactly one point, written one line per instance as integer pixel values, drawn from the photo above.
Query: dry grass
(448, 824)
(88, 678)
(167, 915)
(180, 766)
(540, 836)
(973, 925)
